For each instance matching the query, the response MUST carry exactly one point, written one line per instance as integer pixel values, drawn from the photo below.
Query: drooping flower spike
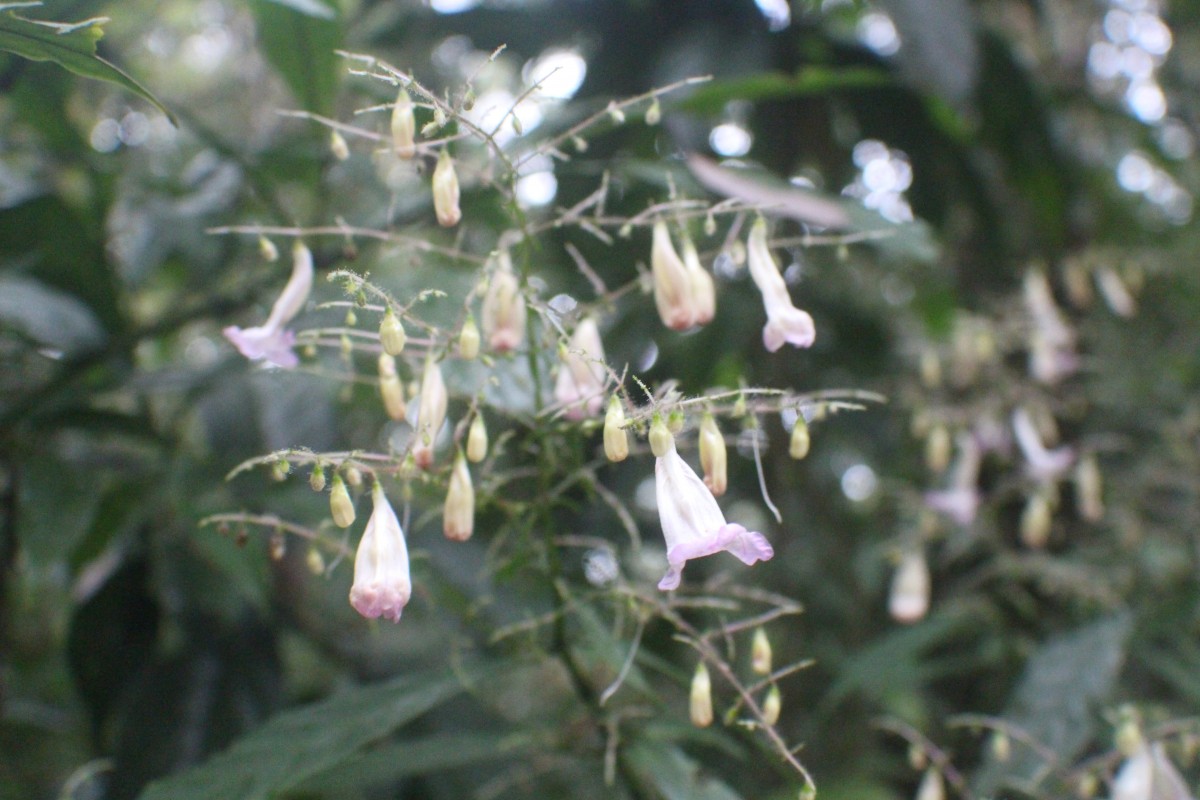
(271, 341)
(692, 522)
(382, 585)
(785, 323)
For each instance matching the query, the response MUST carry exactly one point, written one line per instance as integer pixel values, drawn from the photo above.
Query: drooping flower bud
(503, 308)
(1089, 493)
(338, 146)
(468, 340)
(704, 292)
(616, 439)
(661, 440)
(931, 370)
(353, 476)
(932, 786)
(582, 376)
(1036, 521)
(800, 441)
(1000, 746)
(673, 293)
(390, 387)
(760, 652)
(772, 705)
(340, 504)
(404, 126)
(713, 456)
(445, 191)
(654, 113)
(317, 479)
(937, 449)
(477, 440)
(908, 600)
(382, 585)
(391, 333)
(675, 421)
(267, 249)
(431, 413)
(785, 323)
(700, 706)
(314, 561)
(458, 516)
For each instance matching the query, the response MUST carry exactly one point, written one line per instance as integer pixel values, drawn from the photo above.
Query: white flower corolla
(431, 413)
(1043, 464)
(582, 376)
(674, 296)
(960, 501)
(786, 324)
(503, 308)
(1052, 354)
(704, 292)
(1149, 775)
(692, 522)
(382, 584)
(271, 340)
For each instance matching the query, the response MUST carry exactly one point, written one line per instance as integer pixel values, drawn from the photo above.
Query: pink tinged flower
(583, 375)
(431, 413)
(271, 341)
(1043, 464)
(673, 293)
(382, 584)
(504, 308)
(704, 292)
(785, 323)
(960, 501)
(692, 522)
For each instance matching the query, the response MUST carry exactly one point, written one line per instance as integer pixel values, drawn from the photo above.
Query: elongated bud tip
(1036, 521)
(404, 126)
(661, 440)
(932, 786)
(616, 438)
(654, 113)
(468, 340)
(700, 705)
(477, 440)
(458, 515)
(760, 653)
(340, 504)
(713, 457)
(937, 449)
(799, 444)
(267, 249)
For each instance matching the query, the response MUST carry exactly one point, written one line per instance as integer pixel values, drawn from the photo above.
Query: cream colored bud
(661, 440)
(1115, 293)
(616, 439)
(390, 388)
(277, 546)
(654, 113)
(1036, 521)
(932, 786)
(458, 516)
(1089, 491)
(431, 413)
(340, 504)
(1078, 284)
(760, 652)
(739, 407)
(937, 449)
(700, 705)
(710, 224)
(404, 126)
(477, 440)
(315, 561)
(338, 146)
(616, 114)
(704, 292)
(713, 457)
(799, 444)
(468, 340)
(673, 293)
(908, 600)
(675, 421)
(1128, 736)
(354, 476)
(772, 705)
(445, 191)
(317, 479)
(391, 333)
(503, 307)
(351, 318)
(579, 143)
(267, 249)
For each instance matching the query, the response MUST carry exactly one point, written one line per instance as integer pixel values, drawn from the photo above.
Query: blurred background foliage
(986, 138)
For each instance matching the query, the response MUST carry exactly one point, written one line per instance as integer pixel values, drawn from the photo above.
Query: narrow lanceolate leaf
(297, 745)
(71, 46)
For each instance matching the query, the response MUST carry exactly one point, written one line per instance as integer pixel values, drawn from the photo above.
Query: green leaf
(313, 8)
(298, 745)
(812, 80)
(301, 47)
(674, 775)
(71, 46)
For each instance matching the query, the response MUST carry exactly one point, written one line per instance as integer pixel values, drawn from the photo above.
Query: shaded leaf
(301, 744)
(940, 50)
(48, 317)
(313, 8)
(71, 46)
(301, 48)
(674, 775)
(811, 80)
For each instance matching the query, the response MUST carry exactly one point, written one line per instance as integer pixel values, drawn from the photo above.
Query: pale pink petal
(272, 344)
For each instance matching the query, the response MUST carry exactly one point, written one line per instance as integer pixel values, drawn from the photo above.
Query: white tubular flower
(445, 191)
(908, 600)
(382, 584)
(404, 126)
(582, 376)
(673, 293)
(692, 522)
(1149, 775)
(1052, 354)
(431, 413)
(704, 291)
(1043, 464)
(271, 341)
(503, 308)
(785, 323)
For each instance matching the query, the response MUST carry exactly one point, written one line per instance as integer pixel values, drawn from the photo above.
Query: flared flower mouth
(749, 547)
(269, 344)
